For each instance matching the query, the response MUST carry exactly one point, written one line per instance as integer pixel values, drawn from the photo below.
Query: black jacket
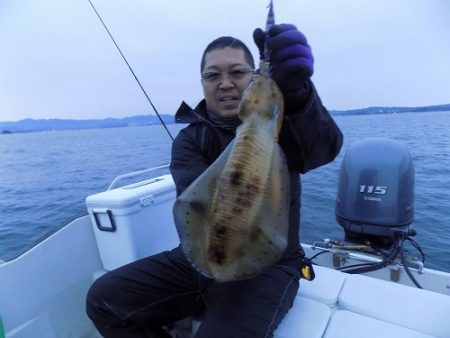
(309, 138)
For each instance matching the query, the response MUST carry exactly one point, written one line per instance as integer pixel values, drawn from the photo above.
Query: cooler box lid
(143, 193)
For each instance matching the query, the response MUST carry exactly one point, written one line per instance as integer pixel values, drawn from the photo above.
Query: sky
(57, 61)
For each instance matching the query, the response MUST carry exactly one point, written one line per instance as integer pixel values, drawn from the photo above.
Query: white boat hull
(43, 290)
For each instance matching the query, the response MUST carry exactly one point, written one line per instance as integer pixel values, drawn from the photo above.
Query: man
(141, 298)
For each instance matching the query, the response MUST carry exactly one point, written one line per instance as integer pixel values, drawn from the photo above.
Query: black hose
(405, 265)
(367, 267)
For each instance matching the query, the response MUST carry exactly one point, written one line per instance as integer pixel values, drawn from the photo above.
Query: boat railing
(114, 183)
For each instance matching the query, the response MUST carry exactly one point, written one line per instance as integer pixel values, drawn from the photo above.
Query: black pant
(136, 300)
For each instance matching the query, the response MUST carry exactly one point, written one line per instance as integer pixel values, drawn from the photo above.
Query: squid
(232, 221)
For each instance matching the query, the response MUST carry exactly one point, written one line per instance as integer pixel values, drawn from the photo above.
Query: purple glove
(290, 55)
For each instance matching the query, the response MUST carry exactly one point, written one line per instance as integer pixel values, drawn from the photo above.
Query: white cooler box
(134, 221)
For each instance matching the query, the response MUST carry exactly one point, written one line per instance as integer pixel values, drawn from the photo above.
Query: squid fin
(192, 208)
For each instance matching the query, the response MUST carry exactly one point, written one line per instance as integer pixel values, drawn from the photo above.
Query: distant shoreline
(391, 110)
(36, 125)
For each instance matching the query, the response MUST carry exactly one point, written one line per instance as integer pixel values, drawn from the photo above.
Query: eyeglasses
(235, 74)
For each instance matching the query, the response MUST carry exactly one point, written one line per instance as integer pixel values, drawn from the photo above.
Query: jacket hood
(185, 114)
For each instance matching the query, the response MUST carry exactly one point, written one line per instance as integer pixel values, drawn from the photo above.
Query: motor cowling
(375, 196)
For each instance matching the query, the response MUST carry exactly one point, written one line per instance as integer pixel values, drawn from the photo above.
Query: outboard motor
(375, 197)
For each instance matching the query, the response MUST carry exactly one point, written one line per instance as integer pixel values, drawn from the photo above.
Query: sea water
(46, 176)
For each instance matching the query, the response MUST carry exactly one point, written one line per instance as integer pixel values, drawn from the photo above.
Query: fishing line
(131, 70)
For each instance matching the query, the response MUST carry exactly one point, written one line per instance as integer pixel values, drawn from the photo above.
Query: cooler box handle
(111, 227)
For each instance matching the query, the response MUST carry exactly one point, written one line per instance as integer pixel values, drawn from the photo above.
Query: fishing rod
(131, 70)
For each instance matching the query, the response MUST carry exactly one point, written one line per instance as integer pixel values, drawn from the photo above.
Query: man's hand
(290, 55)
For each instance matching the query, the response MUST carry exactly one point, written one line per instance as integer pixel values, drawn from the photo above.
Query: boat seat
(325, 288)
(346, 324)
(306, 318)
(419, 310)
(311, 311)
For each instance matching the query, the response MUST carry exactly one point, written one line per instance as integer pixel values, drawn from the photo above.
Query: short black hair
(224, 42)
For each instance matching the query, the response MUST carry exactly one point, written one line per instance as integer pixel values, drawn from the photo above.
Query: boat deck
(44, 290)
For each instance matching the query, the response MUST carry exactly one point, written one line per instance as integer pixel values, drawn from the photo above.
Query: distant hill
(391, 110)
(29, 125)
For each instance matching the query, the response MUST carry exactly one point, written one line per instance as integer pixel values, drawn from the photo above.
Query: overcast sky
(56, 60)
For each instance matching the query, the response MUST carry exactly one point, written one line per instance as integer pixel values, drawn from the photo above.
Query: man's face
(225, 76)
